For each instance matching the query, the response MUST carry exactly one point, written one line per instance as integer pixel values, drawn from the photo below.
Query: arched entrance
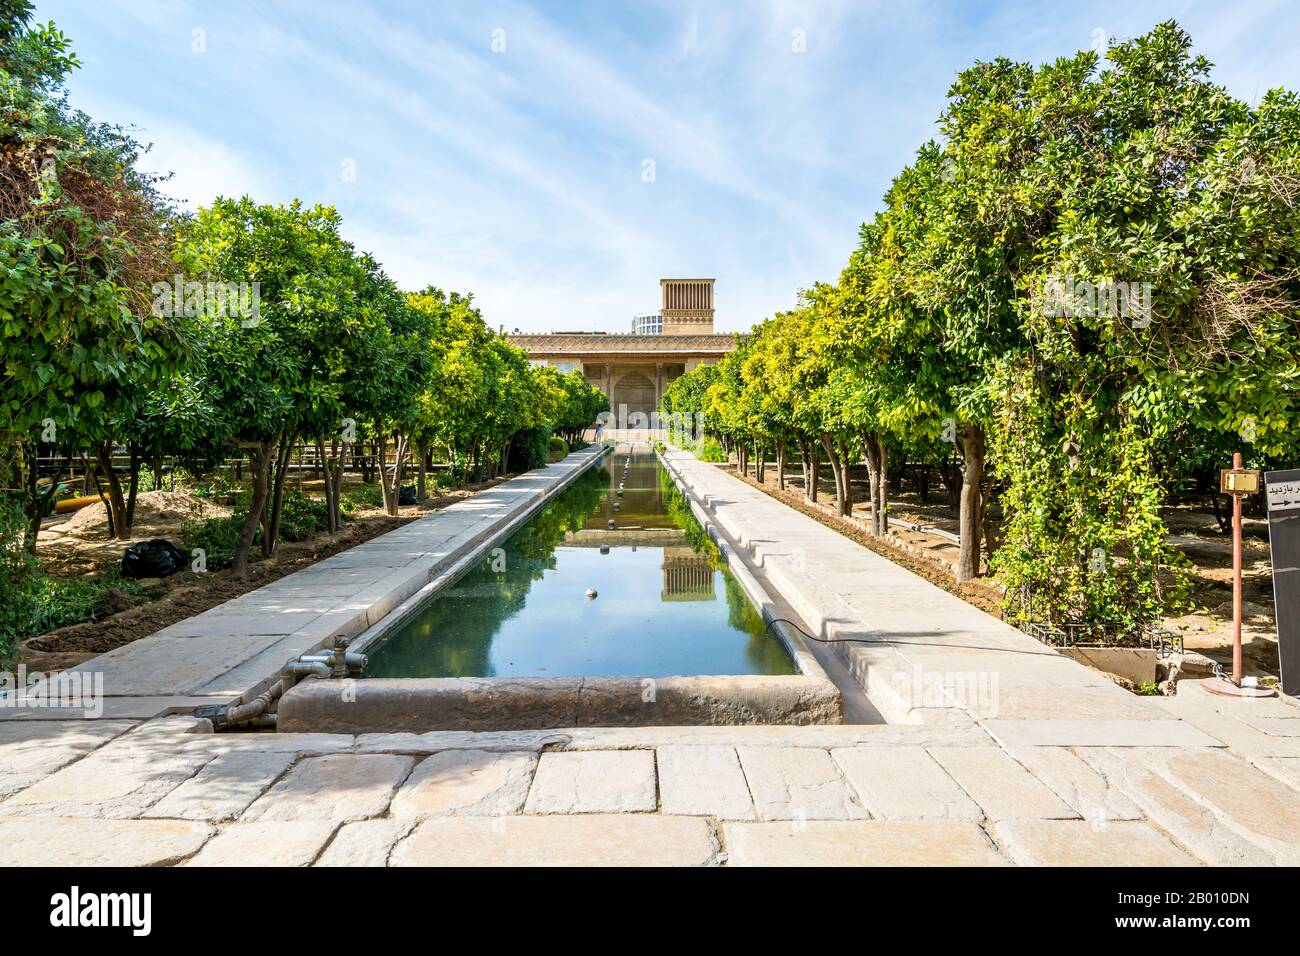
(635, 390)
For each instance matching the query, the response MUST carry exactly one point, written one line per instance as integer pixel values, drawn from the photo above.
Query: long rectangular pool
(613, 578)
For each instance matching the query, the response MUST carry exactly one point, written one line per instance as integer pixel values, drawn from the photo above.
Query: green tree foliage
(82, 239)
(1084, 294)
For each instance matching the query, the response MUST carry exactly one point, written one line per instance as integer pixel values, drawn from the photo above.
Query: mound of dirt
(152, 509)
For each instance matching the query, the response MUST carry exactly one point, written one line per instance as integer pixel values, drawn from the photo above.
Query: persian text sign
(1283, 493)
(1284, 543)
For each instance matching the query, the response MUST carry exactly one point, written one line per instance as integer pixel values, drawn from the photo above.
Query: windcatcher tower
(688, 306)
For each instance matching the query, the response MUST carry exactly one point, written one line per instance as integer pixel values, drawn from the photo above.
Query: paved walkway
(1045, 762)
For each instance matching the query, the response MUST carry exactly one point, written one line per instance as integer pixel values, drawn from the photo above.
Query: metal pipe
(260, 711)
(1236, 579)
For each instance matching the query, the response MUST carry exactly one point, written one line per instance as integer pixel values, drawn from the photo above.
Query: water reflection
(665, 605)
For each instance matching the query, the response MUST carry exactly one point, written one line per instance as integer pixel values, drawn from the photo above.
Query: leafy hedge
(529, 449)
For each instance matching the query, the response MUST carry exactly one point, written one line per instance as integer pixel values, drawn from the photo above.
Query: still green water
(665, 605)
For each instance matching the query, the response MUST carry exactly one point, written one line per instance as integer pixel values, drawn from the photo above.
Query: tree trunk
(880, 505)
(842, 501)
(35, 500)
(136, 462)
(970, 517)
(271, 536)
(809, 477)
(990, 530)
(877, 455)
(381, 444)
(845, 502)
(780, 464)
(951, 483)
(260, 456)
(392, 488)
(327, 478)
(760, 453)
(116, 503)
(871, 452)
(421, 475)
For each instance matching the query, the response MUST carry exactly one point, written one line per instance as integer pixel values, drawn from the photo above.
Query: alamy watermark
(681, 426)
(967, 690)
(1068, 297)
(70, 690)
(234, 300)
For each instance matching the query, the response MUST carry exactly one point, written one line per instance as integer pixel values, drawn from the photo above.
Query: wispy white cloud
(499, 146)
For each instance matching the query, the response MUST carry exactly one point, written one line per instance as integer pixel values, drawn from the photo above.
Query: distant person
(600, 430)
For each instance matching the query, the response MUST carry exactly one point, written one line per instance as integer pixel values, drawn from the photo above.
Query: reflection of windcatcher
(688, 576)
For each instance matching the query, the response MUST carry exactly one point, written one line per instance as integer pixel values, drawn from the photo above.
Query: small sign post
(1237, 482)
(1284, 543)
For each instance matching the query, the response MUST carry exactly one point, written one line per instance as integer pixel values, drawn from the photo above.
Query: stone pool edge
(755, 590)
(382, 705)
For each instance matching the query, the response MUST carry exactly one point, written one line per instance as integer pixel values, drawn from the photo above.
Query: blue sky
(502, 148)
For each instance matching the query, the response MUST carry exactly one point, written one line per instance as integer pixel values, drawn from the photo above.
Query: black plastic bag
(152, 559)
(407, 496)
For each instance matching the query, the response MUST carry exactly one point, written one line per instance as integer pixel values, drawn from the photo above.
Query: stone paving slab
(905, 783)
(163, 665)
(466, 783)
(581, 840)
(1193, 824)
(595, 781)
(1276, 726)
(1079, 843)
(224, 788)
(59, 841)
(266, 843)
(111, 782)
(243, 618)
(1229, 722)
(703, 781)
(32, 750)
(1003, 789)
(823, 737)
(1067, 732)
(1038, 703)
(1286, 769)
(797, 783)
(114, 708)
(439, 740)
(365, 843)
(1219, 807)
(1255, 805)
(304, 745)
(340, 787)
(860, 843)
(1077, 783)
